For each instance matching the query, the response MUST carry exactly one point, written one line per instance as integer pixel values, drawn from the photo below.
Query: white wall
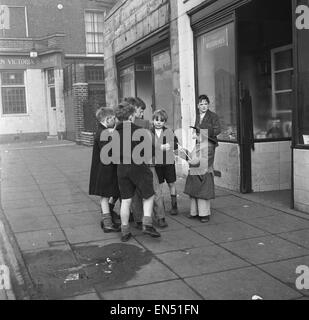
(271, 166)
(35, 120)
(301, 180)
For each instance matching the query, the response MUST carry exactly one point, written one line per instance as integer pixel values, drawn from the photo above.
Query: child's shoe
(151, 231)
(174, 211)
(126, 237)
(139, 225)
(112, 228)
(205, 219)
(162, 223)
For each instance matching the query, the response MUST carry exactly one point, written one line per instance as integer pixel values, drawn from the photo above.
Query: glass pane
(284, 60)
(163, 84)
(284, 101)
(12, 77)
(216, 76)
(283, 80)
(52, 97)
(127, 86)
(13, 100)
(50, 76)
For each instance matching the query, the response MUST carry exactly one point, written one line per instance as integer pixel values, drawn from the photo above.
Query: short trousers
(166, 173)
(135, 178)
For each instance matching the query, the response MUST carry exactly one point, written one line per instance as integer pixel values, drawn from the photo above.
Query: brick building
(249, 56)
(51, 62)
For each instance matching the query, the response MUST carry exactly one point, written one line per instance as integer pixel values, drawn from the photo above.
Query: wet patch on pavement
(60, 273)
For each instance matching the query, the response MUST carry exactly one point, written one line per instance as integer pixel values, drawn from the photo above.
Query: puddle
(58, 274)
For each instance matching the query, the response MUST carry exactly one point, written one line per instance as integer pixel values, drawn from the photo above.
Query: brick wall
(80, 96)
(128, 23)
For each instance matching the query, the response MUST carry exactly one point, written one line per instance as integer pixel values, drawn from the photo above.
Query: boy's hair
(203, 97)
(161, 113)
(124, 111)
(103, 113)
(136, 102)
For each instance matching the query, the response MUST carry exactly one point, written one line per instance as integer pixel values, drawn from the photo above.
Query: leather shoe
(204, 219)
(113, 228)
(192, 217)
(151, 231)
(162, 223)
(126, 237)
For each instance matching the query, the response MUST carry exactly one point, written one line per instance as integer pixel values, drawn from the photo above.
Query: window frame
(26, 113)
(93, 11)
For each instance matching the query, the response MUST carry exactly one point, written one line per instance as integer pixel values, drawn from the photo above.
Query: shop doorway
(265, 74)
(148, 75)
(51, 102)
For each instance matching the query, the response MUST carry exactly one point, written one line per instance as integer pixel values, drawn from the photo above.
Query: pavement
(55, 248)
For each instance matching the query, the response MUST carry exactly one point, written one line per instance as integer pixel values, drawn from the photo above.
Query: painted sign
(216, 39)
(4, 17)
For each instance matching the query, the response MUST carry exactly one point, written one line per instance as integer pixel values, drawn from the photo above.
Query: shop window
(94, 25)
(303, 89)
(13, 96)
(216, 76)
(282, 93)
(163, 84)
(127, 82)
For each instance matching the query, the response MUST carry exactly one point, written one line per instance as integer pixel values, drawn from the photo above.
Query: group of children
(138, 186)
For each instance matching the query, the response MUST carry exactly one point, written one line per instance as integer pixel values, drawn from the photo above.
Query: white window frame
(13, 86)
(91, 11)
(26, 17)
(276, 112)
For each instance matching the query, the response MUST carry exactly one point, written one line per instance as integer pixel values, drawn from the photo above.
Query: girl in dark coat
(103, 177)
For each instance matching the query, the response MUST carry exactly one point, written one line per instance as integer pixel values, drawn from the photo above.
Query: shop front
(244, 59)
(31, 97)
(146, 73)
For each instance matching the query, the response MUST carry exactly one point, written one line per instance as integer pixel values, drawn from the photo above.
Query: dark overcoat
(103, 178)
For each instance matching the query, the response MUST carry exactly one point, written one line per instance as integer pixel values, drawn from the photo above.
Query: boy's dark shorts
(133, 178)
(166, 173)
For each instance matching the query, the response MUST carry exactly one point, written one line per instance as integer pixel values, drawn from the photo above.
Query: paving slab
(298, 237)
(173, 224)
(75, 207)
(152, 272)
(249, 212)
(241, 284)
(173, 241)
(266, 249)
(193, 262)
(28, 212)
(85, 297)
(280, 224)
(79, 219)
(33, 223)
(40, 239)
(23, 203)
(216, 218)
(87, 233)
(53, 271)
(18, 195)
(285, 271)
(229, 232)
(66, 199)
(229, 201)
(169, 290)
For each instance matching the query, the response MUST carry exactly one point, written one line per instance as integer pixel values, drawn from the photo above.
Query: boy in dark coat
(133, 175)
(103, 177)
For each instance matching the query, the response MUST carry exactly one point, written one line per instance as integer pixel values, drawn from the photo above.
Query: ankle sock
(147, 221)
(107, 220)
(125, 229)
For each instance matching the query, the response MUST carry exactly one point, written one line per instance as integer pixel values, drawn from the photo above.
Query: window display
(216, 76)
